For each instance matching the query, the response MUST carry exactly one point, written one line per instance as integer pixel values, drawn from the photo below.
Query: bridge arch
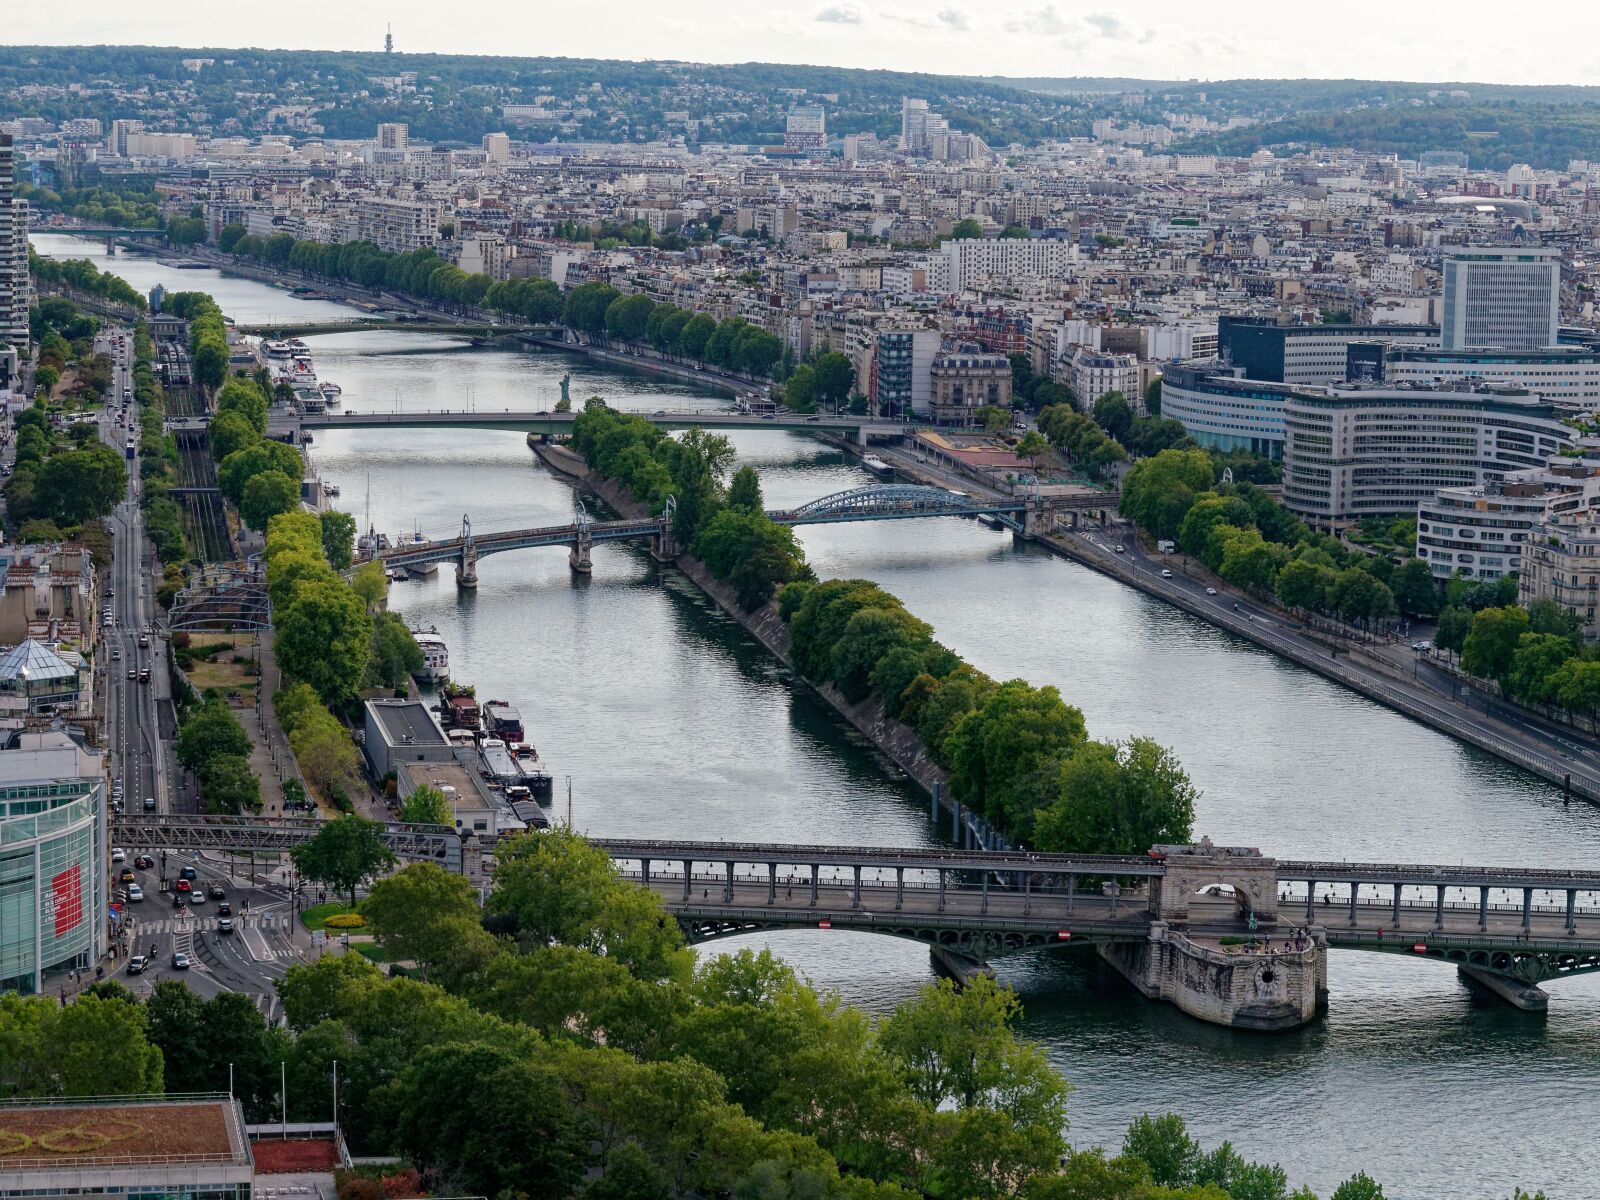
(981, 945)
(891, 501)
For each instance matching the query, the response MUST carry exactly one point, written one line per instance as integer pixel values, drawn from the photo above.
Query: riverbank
(896, 741)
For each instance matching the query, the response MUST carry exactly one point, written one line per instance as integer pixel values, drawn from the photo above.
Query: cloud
(840, 14)
(954, 18)
(1109, 26)
(1039, 20)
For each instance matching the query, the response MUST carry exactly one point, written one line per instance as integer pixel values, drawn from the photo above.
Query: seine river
(669, 721)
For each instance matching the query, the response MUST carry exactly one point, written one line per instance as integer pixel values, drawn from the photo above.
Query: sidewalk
(270, 756)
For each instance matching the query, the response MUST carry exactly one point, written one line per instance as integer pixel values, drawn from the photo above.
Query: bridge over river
(1227, 934)
(875, 502)
(550, 423)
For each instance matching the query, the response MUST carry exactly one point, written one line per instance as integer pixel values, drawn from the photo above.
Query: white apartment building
(1478, 532)
(486, 254)
(1092, 373)
(1009, 260)
(160, 145)
(1562, 563)
(497, 147)
(392, 135)
(397, 225)
(1505, 297)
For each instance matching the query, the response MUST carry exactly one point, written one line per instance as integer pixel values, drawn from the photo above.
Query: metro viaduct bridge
(1509, 929)
(560, 423)
(477, 330)
(874, 502)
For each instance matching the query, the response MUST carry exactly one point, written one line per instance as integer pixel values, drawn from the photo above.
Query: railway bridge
(1226, 934)
(875, 502)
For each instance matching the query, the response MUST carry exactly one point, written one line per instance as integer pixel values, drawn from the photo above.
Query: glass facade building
(1502, 297)
(53, 882)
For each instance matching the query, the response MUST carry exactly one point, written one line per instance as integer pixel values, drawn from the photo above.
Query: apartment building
(963, 380)
(971, 261)
(13, 270)
(398, 225)
(1092, 373)
(1562, 563)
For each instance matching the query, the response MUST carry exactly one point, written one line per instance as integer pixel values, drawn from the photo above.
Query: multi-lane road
(140, 729)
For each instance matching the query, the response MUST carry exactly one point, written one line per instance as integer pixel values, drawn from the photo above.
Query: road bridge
(554, 424)
(875, 502)
(472, 329)
(1225, 933)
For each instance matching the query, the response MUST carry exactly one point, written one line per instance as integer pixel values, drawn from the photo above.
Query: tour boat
(435, 656)
(277, 349)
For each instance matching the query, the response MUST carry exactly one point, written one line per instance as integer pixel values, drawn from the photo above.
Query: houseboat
(435, 655)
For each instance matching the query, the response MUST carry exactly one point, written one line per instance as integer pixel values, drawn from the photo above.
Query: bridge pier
(1524, 996)
(963, 968)
(467, 568)
(579, 557)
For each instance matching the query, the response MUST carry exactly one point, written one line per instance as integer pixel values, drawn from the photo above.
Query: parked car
(180, 961)
(137, 964)
(1120, 549)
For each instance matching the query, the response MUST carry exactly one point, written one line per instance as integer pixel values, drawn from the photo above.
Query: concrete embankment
(896, 741)
(731, 384)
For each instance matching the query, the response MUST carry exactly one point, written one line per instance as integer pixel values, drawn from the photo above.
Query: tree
(835, 375)
(1358, 1187)
(1532, 675)
(1163, 1144)
(966, 228)
(230, 786)
(1152, 397)
(343, 853)
(1032, 446)
(1489, 648)
(1577, 687)
(395, 653)
(326, 754)
(800, 389)
(1414, 589)
(1157, 492)
(1454, 625)
(1113, 413)
(696, 333)
(1003, 755)
(95, 1047)
(266, 495)
(324, 637)
(243, 397)
(1546, 616)
(426, 805)
(415, 912)
(370, 584)
(338, 537)
(230, 432)
(1118, 798)
(744, 491)
(211, 731)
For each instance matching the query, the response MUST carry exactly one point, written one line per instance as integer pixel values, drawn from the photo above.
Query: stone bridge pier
(580, 557)
(467, 568)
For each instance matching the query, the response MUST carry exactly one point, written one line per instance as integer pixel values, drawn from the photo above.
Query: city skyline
(1157, 39)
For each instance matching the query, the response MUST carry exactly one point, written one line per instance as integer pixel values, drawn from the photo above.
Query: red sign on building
(66, 895)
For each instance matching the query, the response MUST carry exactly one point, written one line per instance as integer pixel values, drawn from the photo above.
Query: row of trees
(1256, 544)
(158, 466)
(1536, 655)
(725, 526)
(208, 335)
(214, 745)
(83, 277)
(564, 1042)
(328, 758)
(1017, 754)
(124, 207)
(260, 476)
(732, 344)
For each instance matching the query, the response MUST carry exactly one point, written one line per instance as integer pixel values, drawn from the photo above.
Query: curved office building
(1364, 451)
(1222, 410)
(53, 881)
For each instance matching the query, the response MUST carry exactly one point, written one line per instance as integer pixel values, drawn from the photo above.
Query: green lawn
(314, 916)
(370, 951)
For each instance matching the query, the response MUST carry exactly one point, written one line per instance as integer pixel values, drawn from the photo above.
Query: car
(180, 961)
(133, 673)
(215, 891)
(813, 419)
(1120, 549)
(137, 964)
(116, 654)
(197, 897)
(144, 862)
(769, 416)
(149, 804)
(110, 592)
(225, 909)
(225, 925)
(1421, 646)
(1166, 574)
(188, 873)
(183, 885)
(660, 412)
(126, 876)
(144, 675)
(135, 893)
(118, 854)
(1211, 591)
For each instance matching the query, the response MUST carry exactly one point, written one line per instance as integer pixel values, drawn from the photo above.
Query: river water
(670, 721)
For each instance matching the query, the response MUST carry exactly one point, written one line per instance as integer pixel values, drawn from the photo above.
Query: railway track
(204, 514)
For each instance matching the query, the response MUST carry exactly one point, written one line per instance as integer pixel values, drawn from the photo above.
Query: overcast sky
(1554, 42)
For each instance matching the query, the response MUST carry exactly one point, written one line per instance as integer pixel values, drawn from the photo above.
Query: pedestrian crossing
(267, 921)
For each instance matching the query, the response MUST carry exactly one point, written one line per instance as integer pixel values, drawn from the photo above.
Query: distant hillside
(458, 97)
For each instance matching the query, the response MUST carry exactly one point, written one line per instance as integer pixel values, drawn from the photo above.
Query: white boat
(877, 466)
(330, 393)
(435, 656)
(416, 541)
(330, 489)
(298, 346)
(277, 349)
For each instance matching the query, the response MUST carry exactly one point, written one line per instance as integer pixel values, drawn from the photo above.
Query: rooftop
(406, 723)
(35, 661)
(122, 1131)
